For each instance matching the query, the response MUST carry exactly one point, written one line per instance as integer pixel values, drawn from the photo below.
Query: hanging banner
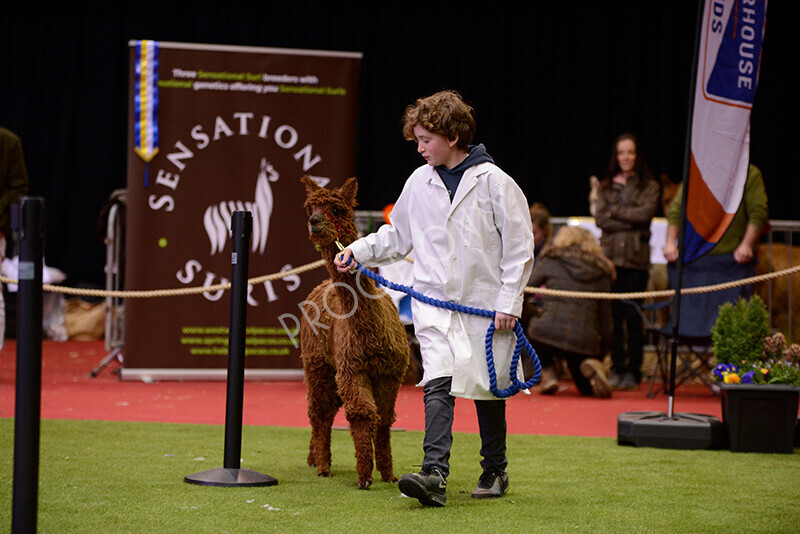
(731, 36)
(145, 102)
(215, 129)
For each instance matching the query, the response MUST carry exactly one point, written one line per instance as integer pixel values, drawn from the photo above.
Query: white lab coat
(476, 251)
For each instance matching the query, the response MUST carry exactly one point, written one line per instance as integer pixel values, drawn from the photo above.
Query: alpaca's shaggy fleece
(354, 348)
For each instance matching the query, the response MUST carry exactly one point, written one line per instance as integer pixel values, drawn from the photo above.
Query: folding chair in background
(698, 314)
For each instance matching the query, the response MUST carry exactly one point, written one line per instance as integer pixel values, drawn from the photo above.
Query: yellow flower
(732, 378)
(764, 371)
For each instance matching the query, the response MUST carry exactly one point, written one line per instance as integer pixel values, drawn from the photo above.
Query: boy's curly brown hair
(444, 113)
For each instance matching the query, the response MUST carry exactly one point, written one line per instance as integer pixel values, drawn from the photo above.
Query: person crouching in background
(575, 329)
(532, 306)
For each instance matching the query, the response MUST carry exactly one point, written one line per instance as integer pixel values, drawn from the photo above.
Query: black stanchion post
(242, 227)
(231, 474)
(27, 221)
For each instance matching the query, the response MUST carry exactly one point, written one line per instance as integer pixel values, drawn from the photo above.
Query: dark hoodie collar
(452, 177)
(477, 154)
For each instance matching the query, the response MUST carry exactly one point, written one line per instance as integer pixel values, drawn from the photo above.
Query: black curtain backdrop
(553, 83)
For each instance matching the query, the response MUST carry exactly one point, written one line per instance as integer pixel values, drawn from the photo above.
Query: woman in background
(542, 227)
(542, 235)
(627, 201)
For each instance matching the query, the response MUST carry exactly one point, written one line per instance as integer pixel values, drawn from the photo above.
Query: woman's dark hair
(640, 168)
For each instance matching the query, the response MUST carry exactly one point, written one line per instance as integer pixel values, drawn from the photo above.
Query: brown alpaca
(773, 258)
(353, 346)
(668, 191)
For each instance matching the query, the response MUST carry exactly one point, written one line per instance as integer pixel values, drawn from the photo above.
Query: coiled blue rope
(522, 342)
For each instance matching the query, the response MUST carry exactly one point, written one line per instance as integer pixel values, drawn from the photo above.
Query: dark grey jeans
(439, 407)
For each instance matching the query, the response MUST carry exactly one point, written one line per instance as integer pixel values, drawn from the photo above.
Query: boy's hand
(503, 321)
(341, 259)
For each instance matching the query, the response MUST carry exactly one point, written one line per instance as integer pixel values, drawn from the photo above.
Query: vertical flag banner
(221, 129)
(145, 102)
(731, 37)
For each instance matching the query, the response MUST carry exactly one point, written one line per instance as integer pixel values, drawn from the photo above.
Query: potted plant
(759, 378)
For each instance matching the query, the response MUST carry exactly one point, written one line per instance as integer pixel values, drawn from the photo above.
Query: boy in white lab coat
(469, 226)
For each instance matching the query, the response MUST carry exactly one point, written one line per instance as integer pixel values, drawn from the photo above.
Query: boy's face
(436, 149)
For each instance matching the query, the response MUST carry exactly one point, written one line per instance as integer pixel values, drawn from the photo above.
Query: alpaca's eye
(336, 212)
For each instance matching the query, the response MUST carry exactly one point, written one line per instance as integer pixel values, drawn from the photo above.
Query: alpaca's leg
(386, 390)
(323, 403)
(359, 406)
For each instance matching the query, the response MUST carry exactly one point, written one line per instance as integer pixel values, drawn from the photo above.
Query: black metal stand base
(115, 354)
(221, 476)
(681, 431)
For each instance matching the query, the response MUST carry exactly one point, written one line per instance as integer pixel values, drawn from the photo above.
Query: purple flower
(747, 378)
(723, 369)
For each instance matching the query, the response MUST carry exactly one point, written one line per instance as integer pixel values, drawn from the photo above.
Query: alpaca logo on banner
(217, 211)
(217, 217)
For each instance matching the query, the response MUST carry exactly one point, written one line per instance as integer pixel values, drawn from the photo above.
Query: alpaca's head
(669, 190)
(330, 212)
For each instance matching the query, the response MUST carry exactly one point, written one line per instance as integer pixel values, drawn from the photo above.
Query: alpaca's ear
(310, 184)
(349, 190)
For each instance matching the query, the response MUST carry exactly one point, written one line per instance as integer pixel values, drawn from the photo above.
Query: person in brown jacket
(13, 185)
(627, 202)
(575, 329)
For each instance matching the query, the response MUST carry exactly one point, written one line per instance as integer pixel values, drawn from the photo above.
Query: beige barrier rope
(666, 292)
(153, 293)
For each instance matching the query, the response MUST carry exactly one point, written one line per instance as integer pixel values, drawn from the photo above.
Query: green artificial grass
(110, 477)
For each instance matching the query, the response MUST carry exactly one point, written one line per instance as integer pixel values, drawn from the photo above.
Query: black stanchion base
(221, 476)
(681, 431)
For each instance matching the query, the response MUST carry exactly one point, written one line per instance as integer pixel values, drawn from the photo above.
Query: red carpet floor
(69, 392)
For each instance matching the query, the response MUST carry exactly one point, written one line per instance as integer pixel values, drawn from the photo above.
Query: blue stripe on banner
(154, 117)
(694, 244)
(137, 100)
(145, 99)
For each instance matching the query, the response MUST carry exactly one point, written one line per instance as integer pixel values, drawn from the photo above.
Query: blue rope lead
(522, 342)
